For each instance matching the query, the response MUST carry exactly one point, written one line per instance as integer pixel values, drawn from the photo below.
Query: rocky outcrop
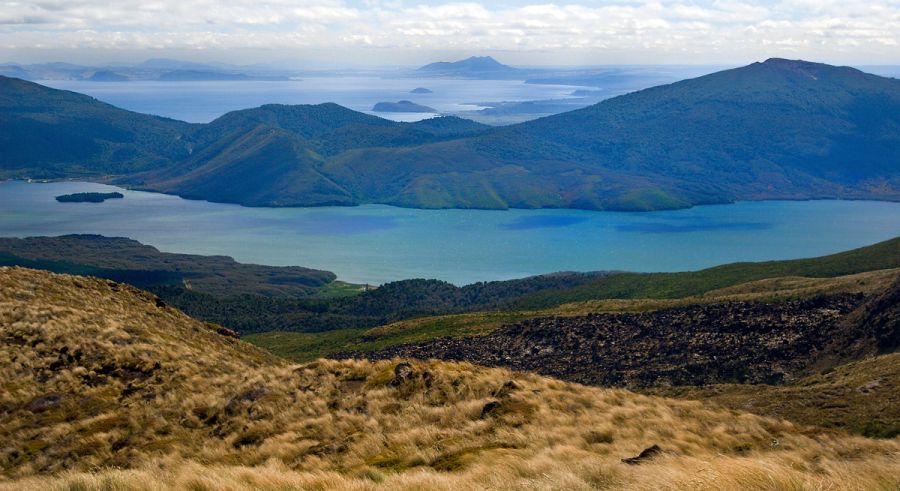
(879, 318)
(734, 342)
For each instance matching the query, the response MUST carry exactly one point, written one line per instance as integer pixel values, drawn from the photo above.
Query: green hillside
(884, 255)
(779, 129)
(51, 133)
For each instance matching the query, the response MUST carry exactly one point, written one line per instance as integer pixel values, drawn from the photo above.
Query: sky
(395, 32)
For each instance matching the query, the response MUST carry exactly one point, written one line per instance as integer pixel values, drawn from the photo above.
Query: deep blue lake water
(376, 243)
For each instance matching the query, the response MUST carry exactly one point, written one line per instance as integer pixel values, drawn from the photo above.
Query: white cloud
(649, 29)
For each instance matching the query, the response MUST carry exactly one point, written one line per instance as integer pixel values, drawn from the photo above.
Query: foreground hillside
(790, 355)
(861, 397)
(98, 375)
(780, 129)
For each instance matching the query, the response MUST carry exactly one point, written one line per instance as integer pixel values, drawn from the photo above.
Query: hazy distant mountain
(208, 75)
(421, 90)
(481, 67)
(16, 71)
(107, 76)
(52, 71)
(153, 69)
(775, 130)
(402, 107)
(621, 77)
(172, 64)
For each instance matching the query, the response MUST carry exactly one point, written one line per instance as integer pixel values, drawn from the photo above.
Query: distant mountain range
(159, 69)
(480, 67)
(164, 69)
(775, 130)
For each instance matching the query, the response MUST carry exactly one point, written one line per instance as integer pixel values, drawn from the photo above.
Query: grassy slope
(862, 397)
(884, 255)
(98, 377)
(302, 347)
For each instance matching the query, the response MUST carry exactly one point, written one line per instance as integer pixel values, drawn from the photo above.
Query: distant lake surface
(201, 102)
(376, 244)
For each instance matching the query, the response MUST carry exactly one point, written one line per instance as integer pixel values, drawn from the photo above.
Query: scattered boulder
(223, 331)
(489, 408)
(403, 373)
(43, 403)
(645, 455)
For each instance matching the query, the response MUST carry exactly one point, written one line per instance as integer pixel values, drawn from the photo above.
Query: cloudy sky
(415, 31)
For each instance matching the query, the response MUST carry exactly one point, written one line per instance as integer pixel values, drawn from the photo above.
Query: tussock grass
(560, 469)
(862, 397)
(103, 388)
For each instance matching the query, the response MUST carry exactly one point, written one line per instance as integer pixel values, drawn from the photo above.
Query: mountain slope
(265, 166)
(99, 377)
(791, 119)
(779, 129)
(54, 133)
(274, 155)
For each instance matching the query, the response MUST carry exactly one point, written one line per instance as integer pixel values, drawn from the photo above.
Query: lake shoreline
(111, 181)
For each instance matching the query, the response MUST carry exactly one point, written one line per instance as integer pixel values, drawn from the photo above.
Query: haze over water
(201, 102)
(376, 244)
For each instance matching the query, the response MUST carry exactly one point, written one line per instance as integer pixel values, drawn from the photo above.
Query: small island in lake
(88, 197)
(402, 107)
(421, 90)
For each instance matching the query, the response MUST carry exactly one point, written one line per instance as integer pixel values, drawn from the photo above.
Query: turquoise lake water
(376, 243)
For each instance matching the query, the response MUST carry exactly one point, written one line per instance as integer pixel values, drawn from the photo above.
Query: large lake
(376, 244)
(201, 102)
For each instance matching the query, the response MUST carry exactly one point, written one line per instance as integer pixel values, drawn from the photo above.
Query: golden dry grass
(862, 397)
(217, 413)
